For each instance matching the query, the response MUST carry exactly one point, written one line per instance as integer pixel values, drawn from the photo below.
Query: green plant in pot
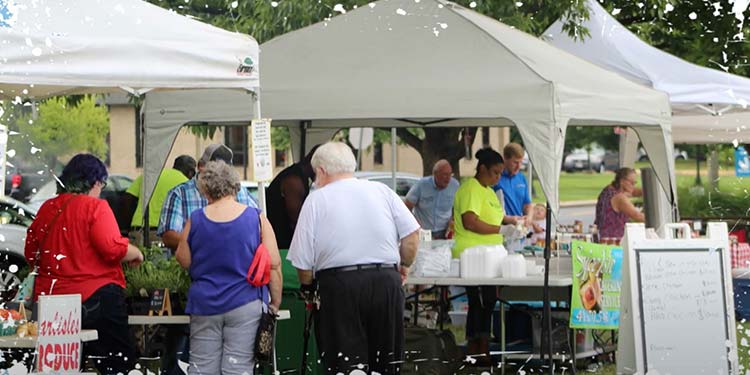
(159, 270)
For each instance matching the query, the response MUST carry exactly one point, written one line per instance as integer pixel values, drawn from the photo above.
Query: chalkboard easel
(677, 308)
(160, 303)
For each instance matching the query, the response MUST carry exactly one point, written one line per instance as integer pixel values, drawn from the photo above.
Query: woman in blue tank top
(217, 246)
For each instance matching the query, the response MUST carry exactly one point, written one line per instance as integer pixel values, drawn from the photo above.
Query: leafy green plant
(701, 202)
(156, 272)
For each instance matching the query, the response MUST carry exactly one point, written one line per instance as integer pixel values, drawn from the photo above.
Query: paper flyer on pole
(262, 150)
(597, 279)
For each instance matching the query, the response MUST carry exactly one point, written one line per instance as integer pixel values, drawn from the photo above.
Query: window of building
(377, 153)
(485, 137)
(235, 137)
(280, 158)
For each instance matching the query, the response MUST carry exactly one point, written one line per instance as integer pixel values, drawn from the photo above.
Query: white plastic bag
(433, 261)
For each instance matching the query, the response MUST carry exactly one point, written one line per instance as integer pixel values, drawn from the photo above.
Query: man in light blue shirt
(431, 199)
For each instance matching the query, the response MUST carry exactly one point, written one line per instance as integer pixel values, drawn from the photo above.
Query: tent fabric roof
(693, 90)
(435, 63)
(52, 48)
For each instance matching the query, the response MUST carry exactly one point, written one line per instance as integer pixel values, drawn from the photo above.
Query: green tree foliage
(62, 128)
(706, 33)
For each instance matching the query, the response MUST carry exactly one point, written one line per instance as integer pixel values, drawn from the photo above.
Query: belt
(358, 267)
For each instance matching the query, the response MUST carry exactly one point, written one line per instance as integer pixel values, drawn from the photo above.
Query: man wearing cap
(185, 198)
(182, 170)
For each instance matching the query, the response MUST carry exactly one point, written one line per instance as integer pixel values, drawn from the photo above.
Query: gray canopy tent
(401, 63)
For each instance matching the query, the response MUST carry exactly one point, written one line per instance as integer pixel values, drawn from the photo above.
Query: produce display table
(145, 320)
(29, 342)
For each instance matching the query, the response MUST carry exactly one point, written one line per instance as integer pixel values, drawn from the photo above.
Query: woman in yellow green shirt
(478, 214)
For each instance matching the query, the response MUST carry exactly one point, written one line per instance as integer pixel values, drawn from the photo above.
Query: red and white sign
(59, 344)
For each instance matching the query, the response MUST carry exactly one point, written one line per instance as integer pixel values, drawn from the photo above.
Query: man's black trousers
(360, 321)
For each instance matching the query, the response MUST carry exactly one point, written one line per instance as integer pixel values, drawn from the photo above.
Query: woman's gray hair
(218, 180)
(335, 158)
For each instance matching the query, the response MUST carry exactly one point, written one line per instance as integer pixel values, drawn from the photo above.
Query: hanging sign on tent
(741, 162)
(262, 151)
(597, 271)
(361, 138)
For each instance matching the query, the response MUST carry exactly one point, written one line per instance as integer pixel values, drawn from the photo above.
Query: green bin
(289, 333)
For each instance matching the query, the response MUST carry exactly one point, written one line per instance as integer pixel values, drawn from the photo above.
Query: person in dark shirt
(285, 195)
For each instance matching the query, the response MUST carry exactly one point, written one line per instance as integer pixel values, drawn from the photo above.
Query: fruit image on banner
(597, 279)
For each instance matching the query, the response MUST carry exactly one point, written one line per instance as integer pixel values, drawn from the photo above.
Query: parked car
(252, 188)
(678, 154)
(23, 182)
(404, 181)
(600, 160)
(15, 218)
(117, 184)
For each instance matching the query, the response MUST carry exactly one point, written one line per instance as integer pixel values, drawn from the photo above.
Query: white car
(15, 218)
(404, 181)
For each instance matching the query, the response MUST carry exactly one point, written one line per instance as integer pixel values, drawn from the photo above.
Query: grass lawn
(581, 186)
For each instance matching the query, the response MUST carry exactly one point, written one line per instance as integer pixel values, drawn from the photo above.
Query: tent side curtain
(544, 143)
(658, 145)
(166, 112)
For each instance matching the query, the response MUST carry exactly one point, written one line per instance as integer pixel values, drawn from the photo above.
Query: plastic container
(482, 262)
(514, 266)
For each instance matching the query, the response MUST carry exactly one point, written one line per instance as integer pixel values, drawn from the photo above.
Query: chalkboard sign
(160, 302)
(682, 295)
(677, 308)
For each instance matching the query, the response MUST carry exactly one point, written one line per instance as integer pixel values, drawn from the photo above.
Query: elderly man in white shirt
(357, 239)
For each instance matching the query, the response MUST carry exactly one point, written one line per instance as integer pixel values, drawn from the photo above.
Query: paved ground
(573, 211)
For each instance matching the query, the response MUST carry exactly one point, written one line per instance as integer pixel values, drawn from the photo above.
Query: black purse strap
(48, 229)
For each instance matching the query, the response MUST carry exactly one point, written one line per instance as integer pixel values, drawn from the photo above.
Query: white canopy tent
(401, 63)
(709, 106)
(50, 48)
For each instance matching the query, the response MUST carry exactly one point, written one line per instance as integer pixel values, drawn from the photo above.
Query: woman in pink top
(614, 208)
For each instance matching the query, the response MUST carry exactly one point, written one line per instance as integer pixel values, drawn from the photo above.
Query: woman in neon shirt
(478, 214)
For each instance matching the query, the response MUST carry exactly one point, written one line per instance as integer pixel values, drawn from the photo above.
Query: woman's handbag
(259, 272)
(265, 337)
(25, 292)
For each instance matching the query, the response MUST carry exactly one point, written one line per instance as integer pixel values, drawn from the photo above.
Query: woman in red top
(78, 247)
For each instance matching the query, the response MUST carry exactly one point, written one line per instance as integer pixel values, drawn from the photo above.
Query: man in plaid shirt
(185, 198)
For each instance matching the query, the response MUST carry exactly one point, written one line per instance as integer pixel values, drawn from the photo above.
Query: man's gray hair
(335, 158)
(218, 180)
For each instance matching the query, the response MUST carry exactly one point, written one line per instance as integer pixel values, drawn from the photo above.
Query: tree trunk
(713, 169)
(440, 143)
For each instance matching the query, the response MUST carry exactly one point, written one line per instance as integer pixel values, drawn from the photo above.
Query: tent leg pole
(546, 344)
(393, 158)
(144, 207)
(303, 125)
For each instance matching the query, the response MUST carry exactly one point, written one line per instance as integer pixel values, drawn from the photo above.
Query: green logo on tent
(246, 67)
